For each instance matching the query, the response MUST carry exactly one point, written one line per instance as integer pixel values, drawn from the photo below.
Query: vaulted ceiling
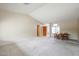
(56, 12)
(24, 8)
(45, 12)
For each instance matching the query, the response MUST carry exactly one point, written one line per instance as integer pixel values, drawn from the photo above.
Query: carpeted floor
(40, 47)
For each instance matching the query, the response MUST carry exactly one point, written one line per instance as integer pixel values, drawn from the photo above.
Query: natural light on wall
(55, 28)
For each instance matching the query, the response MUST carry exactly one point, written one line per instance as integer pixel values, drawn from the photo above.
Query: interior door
(44, 31)
(38, 30)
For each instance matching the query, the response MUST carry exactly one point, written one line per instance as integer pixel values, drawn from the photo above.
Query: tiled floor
(41, 47)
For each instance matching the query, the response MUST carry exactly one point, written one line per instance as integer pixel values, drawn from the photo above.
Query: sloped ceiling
(24, 8)
(45, 12)
(56, 11)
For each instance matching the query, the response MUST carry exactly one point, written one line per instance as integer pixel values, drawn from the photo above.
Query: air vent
(26, 3)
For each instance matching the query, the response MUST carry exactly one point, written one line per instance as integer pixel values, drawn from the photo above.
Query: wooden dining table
(62, 36)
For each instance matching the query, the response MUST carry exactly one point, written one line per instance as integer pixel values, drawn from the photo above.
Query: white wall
(16, 25)
(78, 27)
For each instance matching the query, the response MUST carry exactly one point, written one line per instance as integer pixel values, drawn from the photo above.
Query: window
(55, 28)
